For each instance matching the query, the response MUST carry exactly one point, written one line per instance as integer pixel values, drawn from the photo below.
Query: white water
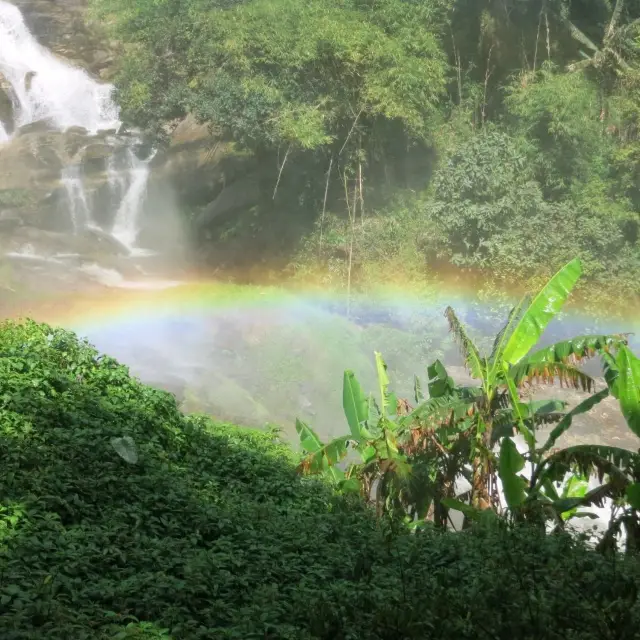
(47, 88)
(133, 183)
(77, 200)
(42, 87)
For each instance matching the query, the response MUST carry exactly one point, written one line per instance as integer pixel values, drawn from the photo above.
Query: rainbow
(125, 308)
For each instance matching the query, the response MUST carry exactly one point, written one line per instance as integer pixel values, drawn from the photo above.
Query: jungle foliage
(120, 517)
(412, 459)
(499, 136)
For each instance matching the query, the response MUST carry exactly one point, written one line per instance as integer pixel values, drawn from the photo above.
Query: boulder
(198, 163)
(39, 126)
(242, 194)
(95, 156)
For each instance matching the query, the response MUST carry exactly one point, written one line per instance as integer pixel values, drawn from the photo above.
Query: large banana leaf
(356, 406)
(322, 458)
(505, 333)
(567, 420)
(472, 359)
(627, 387)
(440, 382)
(633, 495)
(510, 464)
(526, 372)
(575, 350)
(544, 306)
(388, 401)
(615, 462)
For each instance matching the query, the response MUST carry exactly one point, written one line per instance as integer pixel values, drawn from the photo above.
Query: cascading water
(77, 198)
(133, 183)
(40, 87)
(46, 88)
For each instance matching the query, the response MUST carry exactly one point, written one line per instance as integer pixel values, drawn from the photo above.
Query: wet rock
(106, 242)
(28, 79)
(95, 156)
(39, 126)
(7, 101)
(76, 131)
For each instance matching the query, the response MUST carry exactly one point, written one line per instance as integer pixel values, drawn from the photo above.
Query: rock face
(206, 172)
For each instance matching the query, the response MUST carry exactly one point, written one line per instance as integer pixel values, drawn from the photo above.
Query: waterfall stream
(43, 88)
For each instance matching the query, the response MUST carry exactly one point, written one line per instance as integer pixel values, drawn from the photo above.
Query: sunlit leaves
(542, 309)
(627, 387)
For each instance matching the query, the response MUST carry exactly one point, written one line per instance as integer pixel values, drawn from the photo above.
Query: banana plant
(620, 467)
(495, 407)
(374, 431)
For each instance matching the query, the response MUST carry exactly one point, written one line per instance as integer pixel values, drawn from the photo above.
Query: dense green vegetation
(487, 135)
(411, 459)
(120, 517)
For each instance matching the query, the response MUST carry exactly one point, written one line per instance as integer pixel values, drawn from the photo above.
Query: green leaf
(388, 402)
(470, 352)
(578, 349)
(417, 390)
(544, 306)
(440, 382)
(473, 513)
(633, 495)
(323, 460)
(355, 405)
(125, 447)
(565, 423)
(505, 333)
(589, 459)
(627, 387)
(510, 464)
(308, 437)
(526, 372)
(520, 411)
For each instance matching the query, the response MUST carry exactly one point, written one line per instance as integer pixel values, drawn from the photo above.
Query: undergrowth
(121, 517)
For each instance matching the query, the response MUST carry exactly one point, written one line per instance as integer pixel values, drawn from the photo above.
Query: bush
(120, 517)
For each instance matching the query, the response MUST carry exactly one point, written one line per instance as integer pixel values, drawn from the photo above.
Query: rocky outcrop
(206, 172)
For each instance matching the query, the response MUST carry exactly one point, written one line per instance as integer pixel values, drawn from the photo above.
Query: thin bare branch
(286, 155)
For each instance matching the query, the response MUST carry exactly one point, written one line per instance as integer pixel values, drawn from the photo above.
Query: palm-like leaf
(627, 387)
(510, 463)
(619, 464)
(355, 405)
(577, 350)
(470, 353)
(505, 333)
(544, 306)
(567, 420)
(322, 458)
(615, 17)
(529, 373)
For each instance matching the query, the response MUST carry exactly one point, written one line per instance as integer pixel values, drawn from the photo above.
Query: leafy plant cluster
(488, 135)
(412, 459)
(120, 517)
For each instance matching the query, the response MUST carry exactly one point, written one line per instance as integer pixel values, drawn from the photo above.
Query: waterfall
(77, 198)
(131, 186)
(46, 88)
(42, 87)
